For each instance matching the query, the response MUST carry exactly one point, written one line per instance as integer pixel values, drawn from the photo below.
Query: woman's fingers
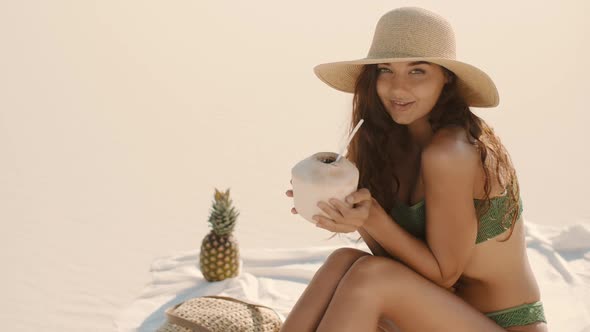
(331, 226)
(342, 217)
(362, 194)
(330, 210)
(360, 211)
(289, 193)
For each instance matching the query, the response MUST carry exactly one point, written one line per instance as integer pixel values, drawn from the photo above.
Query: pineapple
(219, 257)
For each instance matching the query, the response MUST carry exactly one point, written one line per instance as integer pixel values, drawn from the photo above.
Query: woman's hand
(289, 193)
(345, 217)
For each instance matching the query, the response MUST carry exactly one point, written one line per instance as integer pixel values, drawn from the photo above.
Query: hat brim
(476, 87)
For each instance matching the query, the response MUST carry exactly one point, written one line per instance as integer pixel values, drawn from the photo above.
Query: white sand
(118, 118)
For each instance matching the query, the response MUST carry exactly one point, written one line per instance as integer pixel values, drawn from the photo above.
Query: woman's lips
(401, 108)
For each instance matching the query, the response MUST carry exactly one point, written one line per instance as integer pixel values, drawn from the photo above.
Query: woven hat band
(407, 33)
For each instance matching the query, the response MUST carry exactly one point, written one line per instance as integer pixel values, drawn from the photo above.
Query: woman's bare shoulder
(456, 140)
(453, 140)
(452, 133)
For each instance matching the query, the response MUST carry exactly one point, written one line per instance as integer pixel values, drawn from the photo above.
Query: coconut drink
(322, 177)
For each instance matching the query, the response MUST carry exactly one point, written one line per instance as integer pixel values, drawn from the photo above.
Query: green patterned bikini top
(413, 218)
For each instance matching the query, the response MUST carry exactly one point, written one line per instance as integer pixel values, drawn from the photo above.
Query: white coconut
(319, 178)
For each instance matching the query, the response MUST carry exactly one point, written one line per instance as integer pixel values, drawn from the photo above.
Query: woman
(461, 263)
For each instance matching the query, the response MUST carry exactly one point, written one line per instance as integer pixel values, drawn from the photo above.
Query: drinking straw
(342, 150)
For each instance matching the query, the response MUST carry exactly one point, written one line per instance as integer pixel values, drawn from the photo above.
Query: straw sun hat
(414, 34)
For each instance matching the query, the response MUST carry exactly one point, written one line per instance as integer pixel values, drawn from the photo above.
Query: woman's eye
(413, 71)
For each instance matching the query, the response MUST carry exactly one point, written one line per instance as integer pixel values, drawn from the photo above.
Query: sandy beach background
(119, 118)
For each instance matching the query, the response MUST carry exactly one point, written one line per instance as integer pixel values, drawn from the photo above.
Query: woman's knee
(374, 271)
(365, 280)
(346, 256)
(337, 264)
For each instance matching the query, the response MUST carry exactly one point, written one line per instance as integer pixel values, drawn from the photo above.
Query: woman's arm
(448, 170)
(397, 242)
(375, 247)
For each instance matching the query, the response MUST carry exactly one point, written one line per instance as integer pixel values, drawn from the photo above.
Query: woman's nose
(396, 83)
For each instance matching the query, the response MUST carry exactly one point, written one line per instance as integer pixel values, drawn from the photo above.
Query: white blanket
(277, 277)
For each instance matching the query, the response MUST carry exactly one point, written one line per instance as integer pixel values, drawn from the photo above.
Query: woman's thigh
(411, 301)
(311, 305)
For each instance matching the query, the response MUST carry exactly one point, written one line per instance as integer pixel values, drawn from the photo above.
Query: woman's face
(409, 90)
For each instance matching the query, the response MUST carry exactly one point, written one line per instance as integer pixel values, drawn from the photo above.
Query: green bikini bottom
(521, 315)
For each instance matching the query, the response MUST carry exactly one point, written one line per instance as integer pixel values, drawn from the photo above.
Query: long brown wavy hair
(380, 141)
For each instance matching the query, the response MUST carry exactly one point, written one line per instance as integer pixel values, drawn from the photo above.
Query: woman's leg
(309, 309)
(377, 286)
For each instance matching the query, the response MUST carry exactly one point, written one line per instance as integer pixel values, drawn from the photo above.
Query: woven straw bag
(220, 314)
